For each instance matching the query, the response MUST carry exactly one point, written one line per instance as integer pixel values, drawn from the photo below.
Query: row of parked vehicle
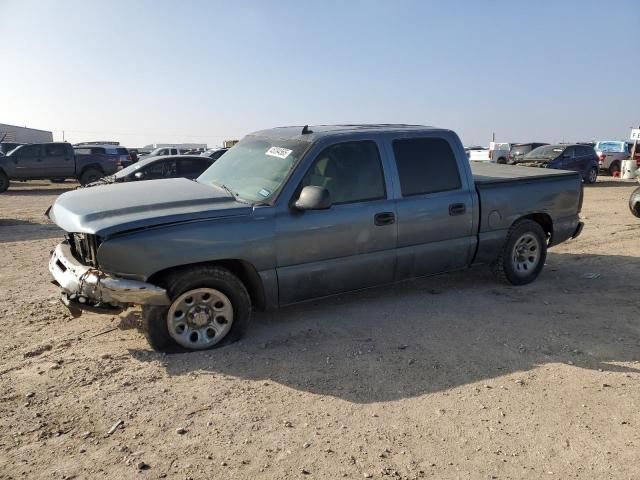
(93, 162)
(588, 158)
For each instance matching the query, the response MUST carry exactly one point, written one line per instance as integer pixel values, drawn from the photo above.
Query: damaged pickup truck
(290, 214)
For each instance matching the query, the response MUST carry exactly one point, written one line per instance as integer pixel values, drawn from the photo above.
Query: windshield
(544, 152)
(255, 168)
(610, 146)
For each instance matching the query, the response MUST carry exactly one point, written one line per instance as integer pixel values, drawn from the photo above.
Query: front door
(568, 160)
(348, 246)
(28, 162)
(435, 208)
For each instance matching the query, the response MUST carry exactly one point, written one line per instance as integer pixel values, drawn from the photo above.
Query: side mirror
(139, 175)
(313, 198)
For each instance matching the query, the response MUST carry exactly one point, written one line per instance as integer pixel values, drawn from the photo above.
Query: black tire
(502, 161)
(90, 175)
(4, 182)
(154, 318)
(614, 168)
(634, 202)
(592, 176)
(507, 268)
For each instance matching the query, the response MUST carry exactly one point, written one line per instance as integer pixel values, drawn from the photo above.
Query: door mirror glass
(139, 175)
(313, 198)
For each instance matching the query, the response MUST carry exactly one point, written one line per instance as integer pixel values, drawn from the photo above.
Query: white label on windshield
(278, 152)
(264, 193)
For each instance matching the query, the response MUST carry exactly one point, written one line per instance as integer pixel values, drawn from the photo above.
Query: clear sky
(200, 71)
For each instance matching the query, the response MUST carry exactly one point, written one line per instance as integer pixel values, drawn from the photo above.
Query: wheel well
(543, 220)
(87, 167)
(240, 268)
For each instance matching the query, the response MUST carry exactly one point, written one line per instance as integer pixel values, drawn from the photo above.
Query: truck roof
(320, 131)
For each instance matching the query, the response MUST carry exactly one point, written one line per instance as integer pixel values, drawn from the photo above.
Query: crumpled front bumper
(88, 288)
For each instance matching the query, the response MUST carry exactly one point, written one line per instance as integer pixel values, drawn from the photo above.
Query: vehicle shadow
(434, 334)
(28, 191)
(610, 182)
(12, 230)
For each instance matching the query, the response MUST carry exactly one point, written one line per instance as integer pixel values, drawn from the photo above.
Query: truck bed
(507, 193)
(490, 173)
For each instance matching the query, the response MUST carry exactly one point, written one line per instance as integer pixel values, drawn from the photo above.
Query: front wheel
(210, 307)
(523, 254)
(592, 176)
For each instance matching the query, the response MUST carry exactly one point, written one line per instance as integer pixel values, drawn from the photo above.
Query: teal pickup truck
(295, 213)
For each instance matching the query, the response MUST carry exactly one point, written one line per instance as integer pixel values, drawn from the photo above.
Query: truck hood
(109, 209)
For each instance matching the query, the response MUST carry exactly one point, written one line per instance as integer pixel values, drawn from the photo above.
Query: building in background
(14, 134)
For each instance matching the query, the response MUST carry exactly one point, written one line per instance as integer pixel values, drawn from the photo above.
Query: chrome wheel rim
(526, 254)
(200, 318)
(593, 175)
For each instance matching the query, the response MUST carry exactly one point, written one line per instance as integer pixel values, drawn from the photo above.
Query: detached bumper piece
(87, 288)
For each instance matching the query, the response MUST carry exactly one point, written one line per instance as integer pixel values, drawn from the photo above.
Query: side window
(174, 151)
(192, 167)
(568, 152)
(163, 169)
(426, 165)
(55, 150)
(588, 152)
(351, 172)
(98, 150)
(82, 151)
(217, 155)
(29, 151)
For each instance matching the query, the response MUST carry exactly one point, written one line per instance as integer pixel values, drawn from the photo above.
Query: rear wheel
(502, 161)
(90, 175)
(4, 182)
(614, 169)
(592, 176)
(523, 254)
(209, 307)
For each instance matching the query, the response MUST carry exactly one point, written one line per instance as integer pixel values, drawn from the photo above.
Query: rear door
(27, 162)
(434, 205)
(58, 160)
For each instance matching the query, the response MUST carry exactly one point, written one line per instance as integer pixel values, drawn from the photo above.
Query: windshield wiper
(234, 194)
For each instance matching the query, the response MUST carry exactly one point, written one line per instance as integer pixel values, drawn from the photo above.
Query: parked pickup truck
(56, 161)
(290, 214)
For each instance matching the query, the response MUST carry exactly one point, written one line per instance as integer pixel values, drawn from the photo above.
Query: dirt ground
(454, 376)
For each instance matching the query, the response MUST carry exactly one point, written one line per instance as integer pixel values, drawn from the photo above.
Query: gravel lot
(454, 376)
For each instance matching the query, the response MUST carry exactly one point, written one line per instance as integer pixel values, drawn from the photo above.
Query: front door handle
(384, 218)
(457, 209)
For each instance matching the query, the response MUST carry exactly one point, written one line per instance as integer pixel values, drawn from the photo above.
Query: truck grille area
(84, 247)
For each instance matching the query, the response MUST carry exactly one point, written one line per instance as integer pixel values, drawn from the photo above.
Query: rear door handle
(457, 209)
(384, 218)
